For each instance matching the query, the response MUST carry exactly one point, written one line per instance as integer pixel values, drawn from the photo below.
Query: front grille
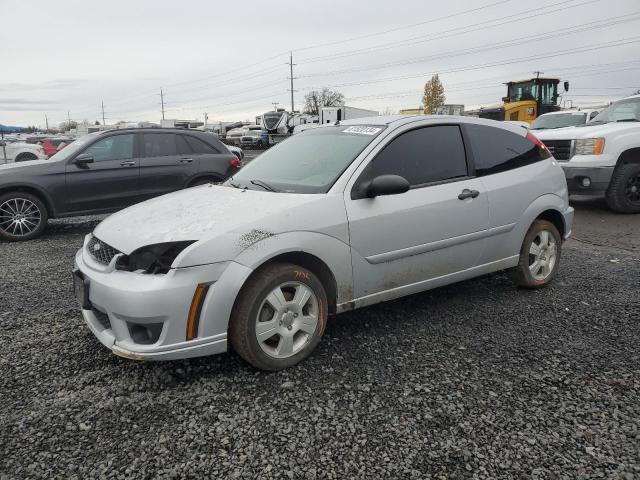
(101, 251)
(103, 318)
(560, 149)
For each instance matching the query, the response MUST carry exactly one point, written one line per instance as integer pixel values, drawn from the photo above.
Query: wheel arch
(556, 218)
(37, 192)
(629, 156)
(204, 176)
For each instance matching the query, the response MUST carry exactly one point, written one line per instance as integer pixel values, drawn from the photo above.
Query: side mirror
(387, 185)
(83, 159)
(566, 86)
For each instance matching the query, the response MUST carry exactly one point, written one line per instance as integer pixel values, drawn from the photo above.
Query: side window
(198, 146)
(497, 150)
(424, 155)
(593, 114)
(182, 146)
(159, 144)
(115, 147)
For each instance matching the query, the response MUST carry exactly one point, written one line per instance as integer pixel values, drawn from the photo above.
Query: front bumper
(598, 179)
(124, 303)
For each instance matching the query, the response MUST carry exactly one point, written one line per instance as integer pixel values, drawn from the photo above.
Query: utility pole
(103, 122)
(162, 102)
(46, 121)
(291, 64)
(68, 121)
(275, 105)
(206, 117)
(538, 73)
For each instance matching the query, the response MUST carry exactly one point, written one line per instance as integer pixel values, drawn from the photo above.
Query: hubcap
(633, 189)
(19, 217)
(287, 320)
(542, 255)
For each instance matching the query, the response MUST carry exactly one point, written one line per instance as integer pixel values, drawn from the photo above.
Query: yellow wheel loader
(526, 100)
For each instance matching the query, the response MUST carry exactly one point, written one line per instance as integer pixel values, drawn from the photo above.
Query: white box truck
(337, 114)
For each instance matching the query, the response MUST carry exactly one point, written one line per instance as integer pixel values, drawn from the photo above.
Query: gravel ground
(475, 380)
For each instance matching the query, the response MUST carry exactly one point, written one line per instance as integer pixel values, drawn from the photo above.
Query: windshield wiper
(628, 120)
(264, 185)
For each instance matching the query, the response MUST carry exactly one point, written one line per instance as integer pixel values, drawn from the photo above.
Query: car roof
(399, 120)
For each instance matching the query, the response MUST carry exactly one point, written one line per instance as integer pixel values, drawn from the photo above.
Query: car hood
(231, 216)
(587, 131)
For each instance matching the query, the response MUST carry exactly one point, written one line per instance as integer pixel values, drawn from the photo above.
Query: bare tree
(388, 111)
(66, 126)
(316, 99)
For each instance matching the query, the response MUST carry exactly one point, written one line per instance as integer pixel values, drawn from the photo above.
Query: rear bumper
(598, 179)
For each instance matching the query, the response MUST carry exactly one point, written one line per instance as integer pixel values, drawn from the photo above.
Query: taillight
(235, 163)
(536, 141)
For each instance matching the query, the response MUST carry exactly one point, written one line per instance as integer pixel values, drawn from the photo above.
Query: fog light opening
(586, 182)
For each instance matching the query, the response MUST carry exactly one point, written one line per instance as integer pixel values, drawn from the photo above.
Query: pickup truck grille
(560, 149)
(101, 251)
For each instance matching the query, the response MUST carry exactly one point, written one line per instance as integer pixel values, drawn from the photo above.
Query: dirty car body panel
(376, 249)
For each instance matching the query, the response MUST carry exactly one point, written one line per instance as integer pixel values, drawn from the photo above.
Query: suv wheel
(22, 216)
(623, 194)
(539, 255)
(279, 317)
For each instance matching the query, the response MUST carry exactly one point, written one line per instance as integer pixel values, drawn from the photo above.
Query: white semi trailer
(337, 114)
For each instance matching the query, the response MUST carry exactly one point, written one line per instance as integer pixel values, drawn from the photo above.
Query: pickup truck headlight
(589, 146)
(152, 259)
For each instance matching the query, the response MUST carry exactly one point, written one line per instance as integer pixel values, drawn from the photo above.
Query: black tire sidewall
(7, 237)
(616, 194)
(254, 294)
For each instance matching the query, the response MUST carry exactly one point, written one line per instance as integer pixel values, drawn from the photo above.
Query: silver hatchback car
(332, 219)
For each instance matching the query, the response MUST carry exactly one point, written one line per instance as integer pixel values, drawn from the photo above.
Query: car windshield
(559, 120)
(627, 110)
(306, 163)
(74, 147)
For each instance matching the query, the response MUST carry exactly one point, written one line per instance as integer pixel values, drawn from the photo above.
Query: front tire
(23, 157)
(279, 317)
(539, 256)
(22, 216)
(623, 194)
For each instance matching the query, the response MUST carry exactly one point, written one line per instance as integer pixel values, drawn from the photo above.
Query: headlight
(589, 146)
(152, 259)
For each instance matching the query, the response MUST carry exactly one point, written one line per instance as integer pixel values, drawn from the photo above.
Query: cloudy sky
(230, 58)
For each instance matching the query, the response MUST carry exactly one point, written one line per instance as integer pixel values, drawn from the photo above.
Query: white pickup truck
(19, 152)
(603, 155)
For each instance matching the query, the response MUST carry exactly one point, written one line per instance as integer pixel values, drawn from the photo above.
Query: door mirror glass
(83, 159)
(387, 185)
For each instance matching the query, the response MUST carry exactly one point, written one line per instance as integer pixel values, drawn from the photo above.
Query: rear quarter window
(498, 150)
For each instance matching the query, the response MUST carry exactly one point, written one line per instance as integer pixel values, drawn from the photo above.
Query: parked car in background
(237, 151)
(563, 118)
(602, 157)
(254, 139)
(105, 171)
(20, 152)
(332, 219)
(53, 145)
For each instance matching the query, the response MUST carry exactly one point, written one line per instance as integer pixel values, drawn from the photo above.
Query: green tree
(433, 95)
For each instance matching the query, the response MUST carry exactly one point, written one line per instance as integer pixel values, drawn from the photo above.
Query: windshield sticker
(362, 130)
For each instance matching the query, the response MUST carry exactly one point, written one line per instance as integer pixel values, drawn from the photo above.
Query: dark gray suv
(106, 171)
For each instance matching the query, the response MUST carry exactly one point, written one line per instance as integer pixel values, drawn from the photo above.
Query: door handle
(128, 164)
(186, 160)
(466, 193)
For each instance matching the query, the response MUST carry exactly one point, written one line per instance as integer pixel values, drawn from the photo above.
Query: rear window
(198, 146)
(497, 150)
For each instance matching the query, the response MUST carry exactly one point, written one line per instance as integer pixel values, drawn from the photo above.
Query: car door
(166, 164)
(436, 228)
(109, 180)
(211, 161)
(508, 163)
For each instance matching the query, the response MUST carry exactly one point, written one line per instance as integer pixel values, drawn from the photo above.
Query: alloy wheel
(632, 189)
(543, 253)
(287, 320)
(19, 217)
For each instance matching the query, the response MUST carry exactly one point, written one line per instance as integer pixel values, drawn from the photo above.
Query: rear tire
(23, 157)
(539, 256)
(623, 194)
(23, 216)
(279, 317)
